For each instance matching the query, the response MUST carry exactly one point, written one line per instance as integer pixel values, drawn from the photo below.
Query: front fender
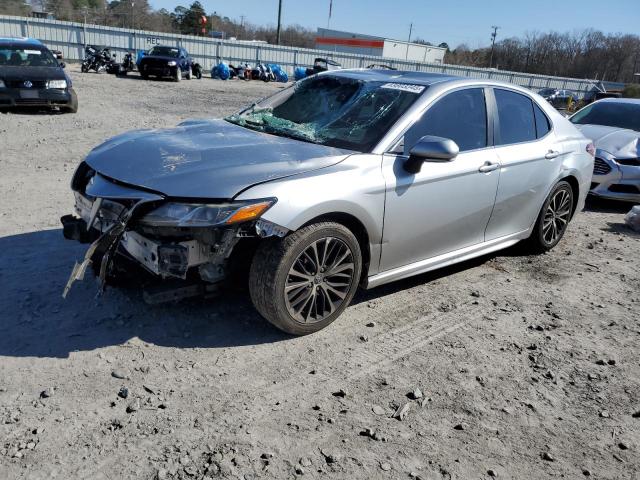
(353, 187)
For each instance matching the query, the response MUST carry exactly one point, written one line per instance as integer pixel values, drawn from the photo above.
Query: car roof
(397, 76)
(634, 101)
(20, 42)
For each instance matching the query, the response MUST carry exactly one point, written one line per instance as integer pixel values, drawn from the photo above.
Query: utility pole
(409, 41)
(493, 43)
(279, 22)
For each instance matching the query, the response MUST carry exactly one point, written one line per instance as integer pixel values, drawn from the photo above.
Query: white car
(614, 126)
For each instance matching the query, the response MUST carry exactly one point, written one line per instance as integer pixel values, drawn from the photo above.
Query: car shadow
(32, 111)
(37, 322)
(604, 205)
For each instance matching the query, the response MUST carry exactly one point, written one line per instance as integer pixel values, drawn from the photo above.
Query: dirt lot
(528, 366)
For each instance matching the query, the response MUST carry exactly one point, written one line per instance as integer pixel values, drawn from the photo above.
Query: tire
(144, 75)
(553, 219)
(73, 104)
(84, 68)
(189, 75)
(178, 75)
(271, 271)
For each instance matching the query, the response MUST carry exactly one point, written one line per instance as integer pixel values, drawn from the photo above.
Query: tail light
(591, 149)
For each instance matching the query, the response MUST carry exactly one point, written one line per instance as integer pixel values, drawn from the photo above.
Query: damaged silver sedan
(349, 178)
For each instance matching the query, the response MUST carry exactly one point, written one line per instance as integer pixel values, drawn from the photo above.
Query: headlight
(199, 215)
(57, 84)
(172, 63)
(2, 85)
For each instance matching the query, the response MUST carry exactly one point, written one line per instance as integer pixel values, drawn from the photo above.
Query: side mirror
(63, 65)
(431, 149)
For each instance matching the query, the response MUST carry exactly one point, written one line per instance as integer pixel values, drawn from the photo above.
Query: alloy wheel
(319, 280)
(556, 218)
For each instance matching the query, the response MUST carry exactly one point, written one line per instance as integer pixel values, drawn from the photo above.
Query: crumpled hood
(618, 142)
(206, 159)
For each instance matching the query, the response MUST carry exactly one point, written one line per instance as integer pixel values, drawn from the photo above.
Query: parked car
(164, 61)
(353, 177)
(323, 65)
(614, 126)
(560, 99)
(30, 76)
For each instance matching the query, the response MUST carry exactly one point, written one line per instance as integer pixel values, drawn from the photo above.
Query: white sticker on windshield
(33, 52)
(405, 87)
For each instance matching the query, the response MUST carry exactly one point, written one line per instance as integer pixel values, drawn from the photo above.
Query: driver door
(447, 205)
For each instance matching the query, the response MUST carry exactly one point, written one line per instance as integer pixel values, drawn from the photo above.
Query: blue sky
(451, 21)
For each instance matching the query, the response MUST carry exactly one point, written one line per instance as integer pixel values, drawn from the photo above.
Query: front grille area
(600, 167)
(634, 162)
(20, 84)
(31, 101)
(622, 188)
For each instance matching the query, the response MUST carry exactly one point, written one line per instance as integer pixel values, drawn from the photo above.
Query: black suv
(31, 76)
(165, 61)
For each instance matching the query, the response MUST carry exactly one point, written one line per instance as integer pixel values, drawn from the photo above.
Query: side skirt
(445, 260)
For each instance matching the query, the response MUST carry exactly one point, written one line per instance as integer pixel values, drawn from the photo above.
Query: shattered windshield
(331, 110)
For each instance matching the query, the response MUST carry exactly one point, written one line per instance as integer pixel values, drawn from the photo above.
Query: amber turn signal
(249, 212)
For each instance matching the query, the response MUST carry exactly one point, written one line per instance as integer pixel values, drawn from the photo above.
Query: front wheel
(303, 282)
(178, 75)
(553, 218)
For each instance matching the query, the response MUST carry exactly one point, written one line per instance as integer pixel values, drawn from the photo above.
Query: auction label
(405, 87)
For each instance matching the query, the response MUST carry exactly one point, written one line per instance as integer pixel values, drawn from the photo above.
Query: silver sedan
(348, 178)
(614, 126)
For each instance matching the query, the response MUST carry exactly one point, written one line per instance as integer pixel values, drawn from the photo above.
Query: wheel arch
(356, 227)
(575, 188)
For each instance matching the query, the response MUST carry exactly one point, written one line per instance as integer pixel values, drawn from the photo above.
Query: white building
(348, 42)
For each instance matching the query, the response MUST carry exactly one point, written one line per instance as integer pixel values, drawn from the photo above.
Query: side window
(542, 122)
(460, 116)
(515, 113)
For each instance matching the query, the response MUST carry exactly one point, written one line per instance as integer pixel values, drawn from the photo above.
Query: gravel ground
(509, 366)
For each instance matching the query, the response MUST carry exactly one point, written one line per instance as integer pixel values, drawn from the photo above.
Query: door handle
(551, 154)
(489, 167)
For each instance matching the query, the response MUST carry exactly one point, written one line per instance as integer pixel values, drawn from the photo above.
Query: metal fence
(70, 38)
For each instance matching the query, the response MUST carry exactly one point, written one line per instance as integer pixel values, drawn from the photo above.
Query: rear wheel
(303, 282)
(189, 74)
(553, 218)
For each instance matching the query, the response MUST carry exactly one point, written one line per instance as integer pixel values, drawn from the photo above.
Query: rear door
(530, 159)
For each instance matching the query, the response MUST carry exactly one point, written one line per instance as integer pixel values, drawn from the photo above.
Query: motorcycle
(196, 70)
(128, 65)
(263, 72)
(96, 58)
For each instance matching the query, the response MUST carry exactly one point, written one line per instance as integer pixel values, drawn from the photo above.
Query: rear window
(515, 113)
